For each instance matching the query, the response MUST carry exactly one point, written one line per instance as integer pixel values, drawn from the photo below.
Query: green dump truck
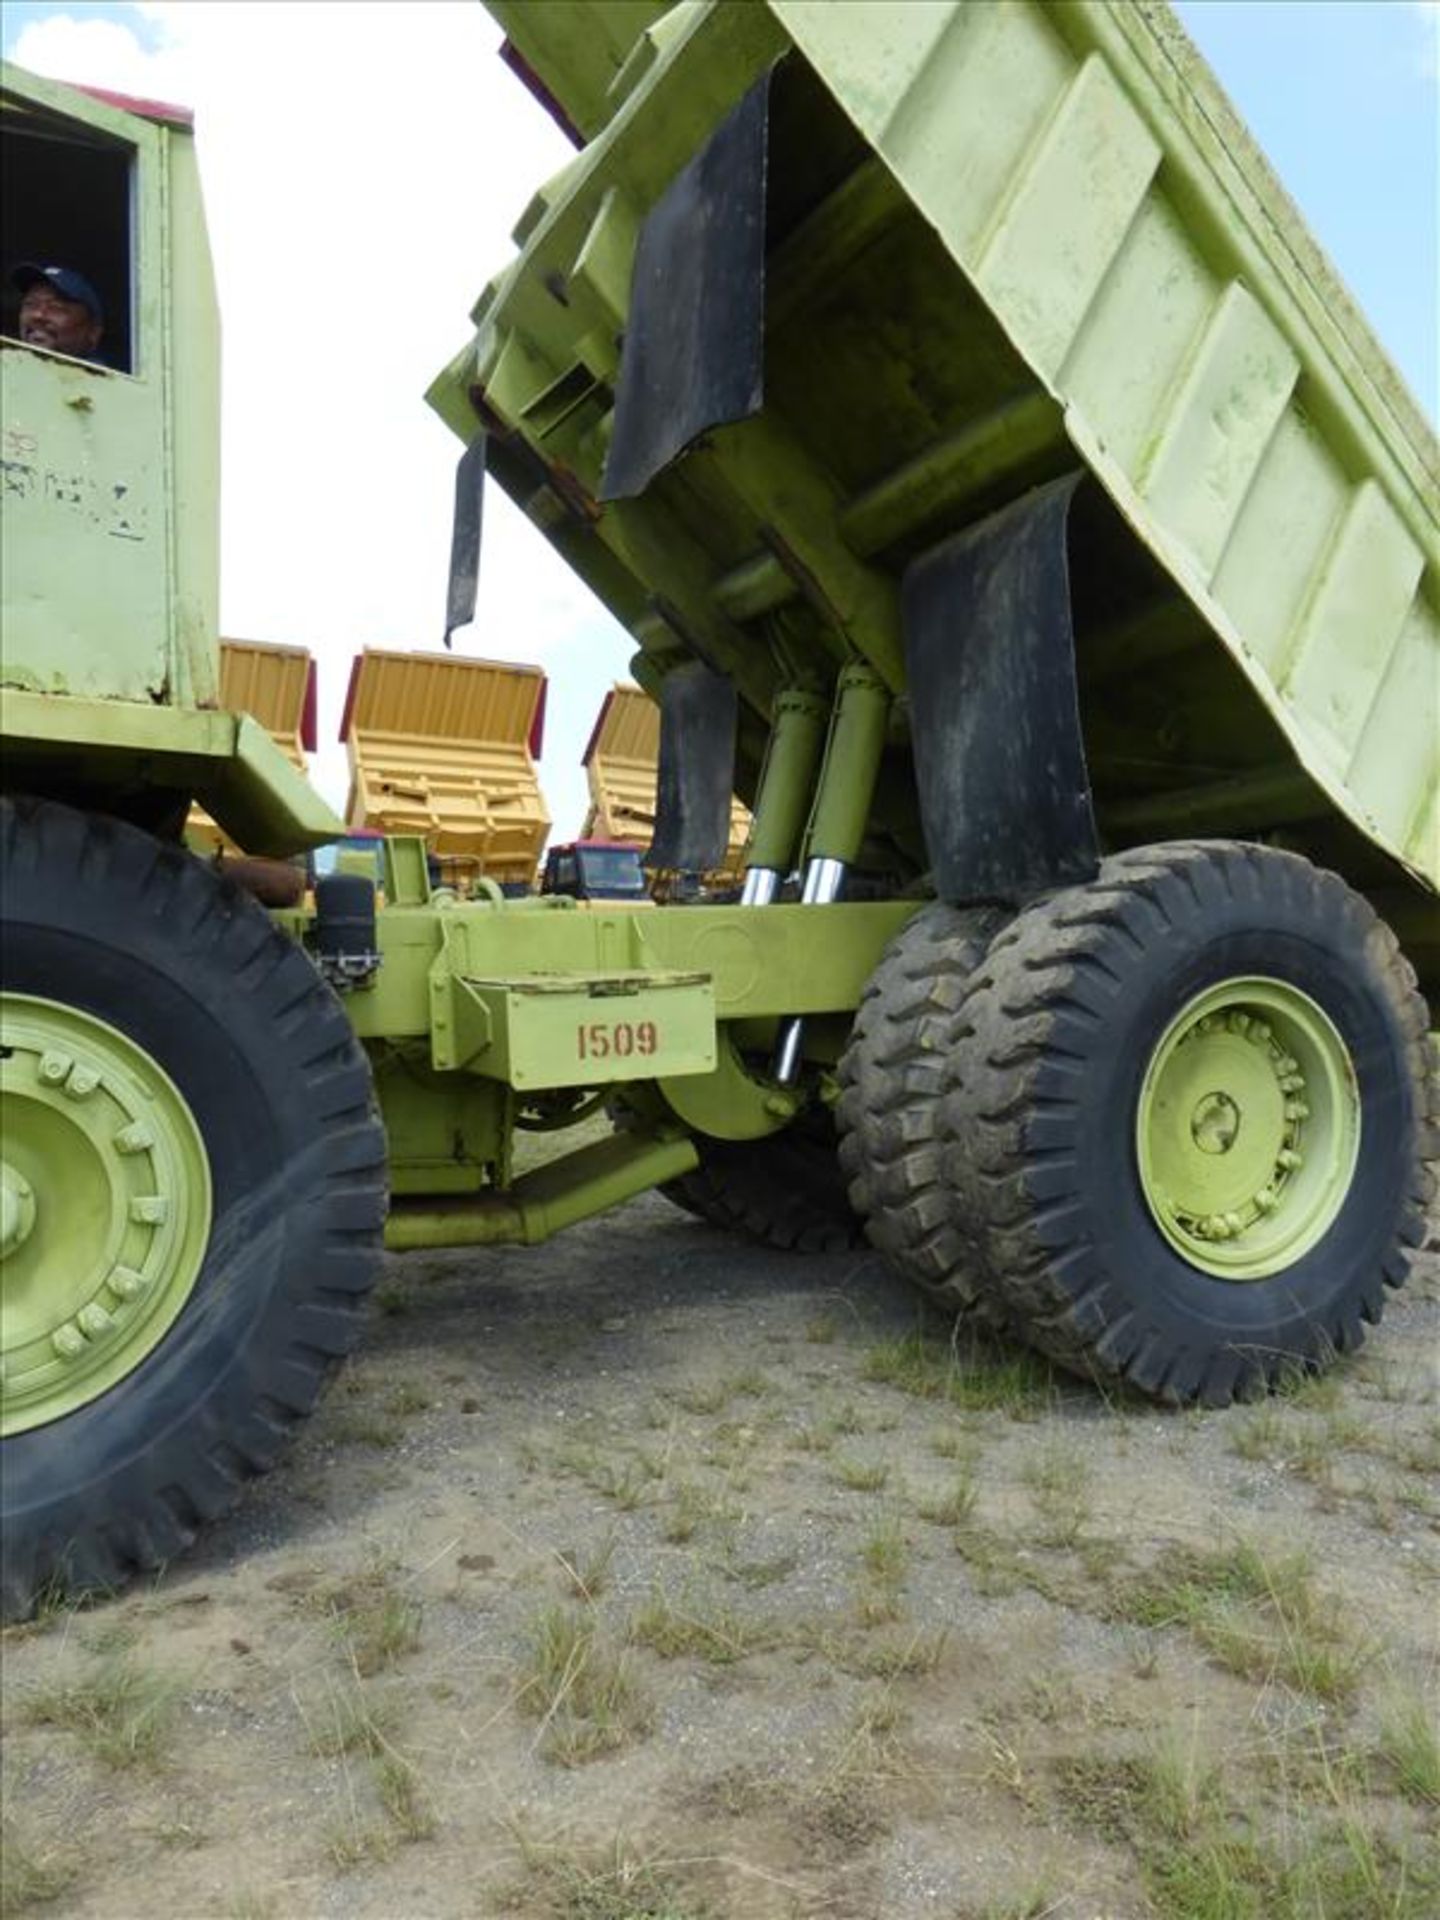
(1007, 504)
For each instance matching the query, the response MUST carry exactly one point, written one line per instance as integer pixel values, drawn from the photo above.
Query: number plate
(588, 1030)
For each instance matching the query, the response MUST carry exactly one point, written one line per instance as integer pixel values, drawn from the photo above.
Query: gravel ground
(650, 1576)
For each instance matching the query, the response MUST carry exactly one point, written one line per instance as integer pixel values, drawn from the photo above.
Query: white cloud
(363, 167)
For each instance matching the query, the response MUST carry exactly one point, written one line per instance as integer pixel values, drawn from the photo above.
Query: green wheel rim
(105, 1208)
(1247, 1132)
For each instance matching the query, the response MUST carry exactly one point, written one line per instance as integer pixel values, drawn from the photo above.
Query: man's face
(48, 319)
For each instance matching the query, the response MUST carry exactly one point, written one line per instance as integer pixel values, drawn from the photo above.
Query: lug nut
(150, 1209)
(54, 1067)
(125, 1283)
(135, 1138)
(68, 1342)
(1289, 1159)
(82, 1082)
(94, 1320)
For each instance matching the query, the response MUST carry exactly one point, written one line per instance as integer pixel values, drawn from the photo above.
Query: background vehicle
(276, 686)
(1082, 664)
(594, 870)
(622, 770)
(445, 747)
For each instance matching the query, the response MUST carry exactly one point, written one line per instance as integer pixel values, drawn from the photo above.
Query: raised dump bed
(883, 272)
(276, 686)
(445, 748)
(621, 761)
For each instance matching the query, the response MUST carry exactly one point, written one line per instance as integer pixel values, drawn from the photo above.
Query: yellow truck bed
(621, 762)
(445, 747)
(276, 685)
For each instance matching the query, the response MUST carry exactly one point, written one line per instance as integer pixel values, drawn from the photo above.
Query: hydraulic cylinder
(786, 783)
(841, 810)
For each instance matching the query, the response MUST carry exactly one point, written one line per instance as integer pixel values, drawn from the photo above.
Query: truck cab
(595, 870)
(109, 567)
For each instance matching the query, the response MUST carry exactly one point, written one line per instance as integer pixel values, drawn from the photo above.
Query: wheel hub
(1215, 1123)
(105, 1208)
(17, 1208)
(1248, 1126)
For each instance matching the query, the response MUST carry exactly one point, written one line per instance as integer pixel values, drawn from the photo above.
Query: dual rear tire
(1183, 1124)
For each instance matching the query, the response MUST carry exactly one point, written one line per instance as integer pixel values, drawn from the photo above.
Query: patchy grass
(689, 1507)
(1059, 1476)
(678, 1630)
(846, 1807)
(629, 1481)
(884, 1552)
(587, 1572)
(377, 1622)
(404, 1796)
(1259, 1614)
(1410, 1746)
(862, 1476)
(704, 1396)
(1261, 1433)
(246, 1904)
(579, 1688)
(903, 1656)
(349, 1720)
(122, 1709)
(32, 1872)
(1206, 1853)
(974, 1376)
(953, 1506)
(563, 1884)
(754, 1575)
(405, 1398)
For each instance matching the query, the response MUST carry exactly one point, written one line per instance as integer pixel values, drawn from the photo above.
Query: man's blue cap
(69, 284)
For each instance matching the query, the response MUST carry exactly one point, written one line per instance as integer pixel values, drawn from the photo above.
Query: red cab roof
(161, 110)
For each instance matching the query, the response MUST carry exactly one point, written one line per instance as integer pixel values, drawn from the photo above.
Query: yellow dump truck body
(621, 763)
(445, 747)
(276, 685)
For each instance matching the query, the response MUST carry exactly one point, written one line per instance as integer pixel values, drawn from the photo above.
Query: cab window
(67, 199)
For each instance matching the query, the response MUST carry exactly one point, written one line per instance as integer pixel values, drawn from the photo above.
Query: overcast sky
(363, 165)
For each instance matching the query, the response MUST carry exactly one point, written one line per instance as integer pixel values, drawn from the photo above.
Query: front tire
(169, 1056)
(1190, 1108)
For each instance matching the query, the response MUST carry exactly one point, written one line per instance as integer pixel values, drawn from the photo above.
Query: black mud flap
(465, 537)
(697, 770)
(995, 717)
(693, 350)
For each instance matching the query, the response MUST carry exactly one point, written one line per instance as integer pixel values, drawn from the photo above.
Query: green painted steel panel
(762, 961)
(592, 1030)
(110, 532)
(985, 211)
(227, 760)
